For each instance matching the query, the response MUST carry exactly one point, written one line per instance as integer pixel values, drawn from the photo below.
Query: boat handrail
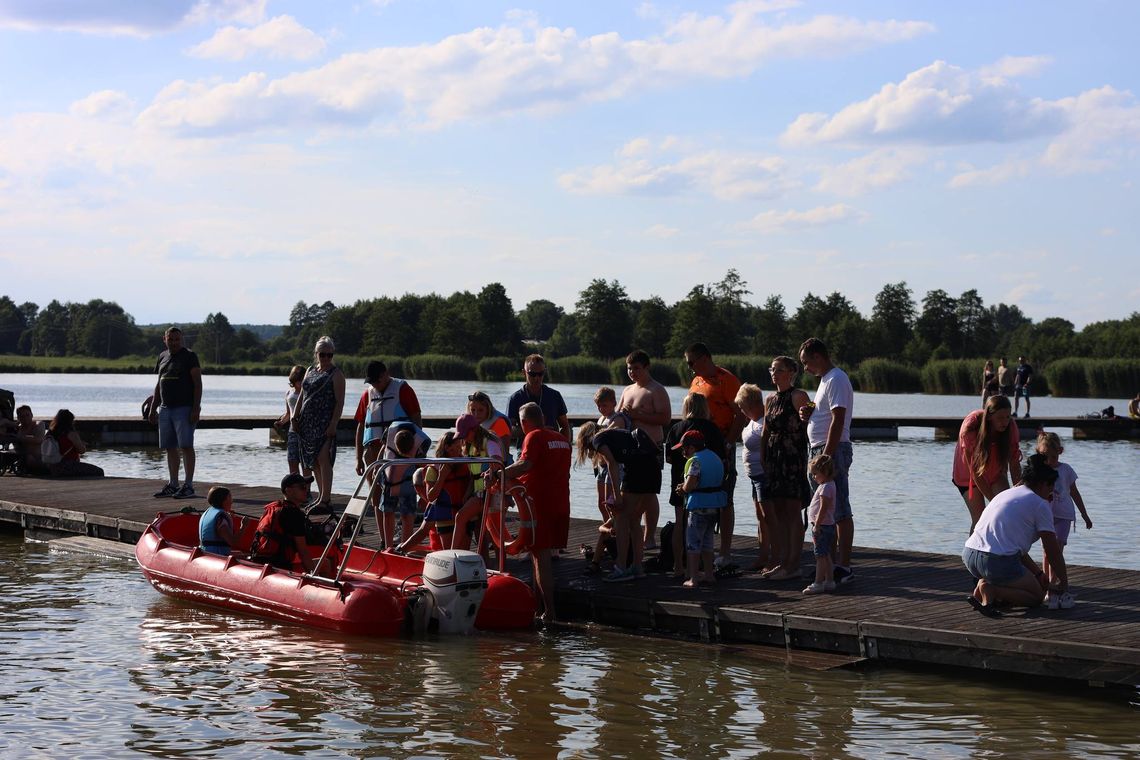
(370, 481)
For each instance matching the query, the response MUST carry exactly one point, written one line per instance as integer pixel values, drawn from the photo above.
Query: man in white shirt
(997, 552)
(829, 432)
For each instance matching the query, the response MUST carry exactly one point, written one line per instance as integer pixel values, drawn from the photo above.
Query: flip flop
(986, 609)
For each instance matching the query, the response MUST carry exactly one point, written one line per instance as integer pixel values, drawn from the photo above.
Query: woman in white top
(750, 399)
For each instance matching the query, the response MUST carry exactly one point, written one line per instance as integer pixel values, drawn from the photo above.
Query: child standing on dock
(292, 437)
(704, 500)
(1066, 500)
(821, 515)
(605, 399)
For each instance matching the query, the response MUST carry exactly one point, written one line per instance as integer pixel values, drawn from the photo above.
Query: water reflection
(99, 665)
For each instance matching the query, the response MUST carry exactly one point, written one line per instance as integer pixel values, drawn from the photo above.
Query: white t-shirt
(1063, 506)
(816, 514)
(834, 391)
(1010, 523)
(750, 453)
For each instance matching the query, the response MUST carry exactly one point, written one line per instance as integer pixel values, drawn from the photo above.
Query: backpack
(49, 450)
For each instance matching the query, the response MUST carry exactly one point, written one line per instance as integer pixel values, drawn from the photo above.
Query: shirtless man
(646, 402)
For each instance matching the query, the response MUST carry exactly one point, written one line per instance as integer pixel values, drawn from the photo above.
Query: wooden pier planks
(904, 606)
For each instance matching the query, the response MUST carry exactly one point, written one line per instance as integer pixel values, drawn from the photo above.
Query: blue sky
(197, 156)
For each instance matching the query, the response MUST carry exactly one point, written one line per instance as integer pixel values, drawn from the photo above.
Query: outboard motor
(457, 581)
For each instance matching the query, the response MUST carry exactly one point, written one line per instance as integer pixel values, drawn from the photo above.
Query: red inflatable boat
(372, 593)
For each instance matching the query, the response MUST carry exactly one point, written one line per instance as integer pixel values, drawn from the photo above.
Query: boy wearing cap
(704, 500)
(280, 536)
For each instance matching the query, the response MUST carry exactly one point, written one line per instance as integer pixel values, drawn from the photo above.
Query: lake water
(99, 665)
(901, 490)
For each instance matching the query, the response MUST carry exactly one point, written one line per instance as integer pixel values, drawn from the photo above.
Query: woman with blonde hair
(317, 413)
(987, 449)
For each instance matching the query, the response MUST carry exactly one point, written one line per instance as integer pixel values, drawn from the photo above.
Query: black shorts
(642, 476)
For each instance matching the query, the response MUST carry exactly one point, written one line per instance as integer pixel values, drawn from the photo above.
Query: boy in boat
(280, 534)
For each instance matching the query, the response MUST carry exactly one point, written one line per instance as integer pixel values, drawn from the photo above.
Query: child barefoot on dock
(1065, 498)
(821, 515)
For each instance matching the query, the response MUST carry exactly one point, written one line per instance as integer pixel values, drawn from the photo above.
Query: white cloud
(113, 17)
(105, 104)
(279, 37)
(518, 67)
(940, 104)
(770, 222)
(1013, 67)
(994, 175)
(662, 231)
(643, 168)
(874, 171)
(1105, 123)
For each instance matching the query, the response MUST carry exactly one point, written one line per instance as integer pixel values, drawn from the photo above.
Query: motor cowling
(457, 581)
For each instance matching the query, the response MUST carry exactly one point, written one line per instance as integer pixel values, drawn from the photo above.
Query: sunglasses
(323, 355)
(539, 373)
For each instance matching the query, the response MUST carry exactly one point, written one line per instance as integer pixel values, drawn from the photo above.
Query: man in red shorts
(544, 468)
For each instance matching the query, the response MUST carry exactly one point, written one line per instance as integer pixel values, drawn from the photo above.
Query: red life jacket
(270, 539)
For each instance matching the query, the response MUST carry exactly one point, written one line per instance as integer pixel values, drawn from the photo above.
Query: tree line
(604, 324)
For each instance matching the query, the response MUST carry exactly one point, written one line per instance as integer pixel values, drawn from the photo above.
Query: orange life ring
(512, 545)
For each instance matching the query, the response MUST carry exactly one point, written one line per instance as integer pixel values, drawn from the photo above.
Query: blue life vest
(710, 488)
(383, 409)
(208, 536)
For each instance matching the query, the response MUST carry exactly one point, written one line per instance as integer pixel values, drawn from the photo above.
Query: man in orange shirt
(719, 386)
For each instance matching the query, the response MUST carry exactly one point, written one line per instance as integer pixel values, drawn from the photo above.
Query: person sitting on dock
(216, 525)
(29, 436)
(280, 537)
(997, 551)
(70, 448)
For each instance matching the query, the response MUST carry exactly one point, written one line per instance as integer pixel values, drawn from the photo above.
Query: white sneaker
(1052, 600)
(818, 588)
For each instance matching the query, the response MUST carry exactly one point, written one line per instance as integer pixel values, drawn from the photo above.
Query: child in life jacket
(399, 497)
(704, 499)
(445, 488)
(216, 525)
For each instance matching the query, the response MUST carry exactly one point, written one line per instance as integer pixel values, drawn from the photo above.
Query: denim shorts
(996, 568)
(400, 504)
(759, 482)
(844, 455)
(174, 428)
(823, 537)
(699, 534)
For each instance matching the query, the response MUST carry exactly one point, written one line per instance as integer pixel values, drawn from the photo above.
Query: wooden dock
(135, 431)
(905, 607)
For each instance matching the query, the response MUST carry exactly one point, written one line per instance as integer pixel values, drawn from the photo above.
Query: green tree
(605, 328)
(345, 327)
(538, 320)
(937, 325)
(892, 319)
(975, 330)
(564, 340)
(13, 322)
(730, 313)
(653, 327)
(49, 336)
(770, 336)
(215, 339)
(691, 322)
(499, 333)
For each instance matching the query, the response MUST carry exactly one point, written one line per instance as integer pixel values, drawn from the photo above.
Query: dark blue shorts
(823, 537)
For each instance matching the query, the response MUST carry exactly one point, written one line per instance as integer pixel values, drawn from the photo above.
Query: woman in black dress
(784, 450)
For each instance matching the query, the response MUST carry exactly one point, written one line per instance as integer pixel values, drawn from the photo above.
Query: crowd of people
(795, 450)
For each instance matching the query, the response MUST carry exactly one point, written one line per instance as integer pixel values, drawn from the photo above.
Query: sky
(194, 156)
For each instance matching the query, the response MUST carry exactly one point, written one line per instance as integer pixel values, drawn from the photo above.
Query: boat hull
(371, 599)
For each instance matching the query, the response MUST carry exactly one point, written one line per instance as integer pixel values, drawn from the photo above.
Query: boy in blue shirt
(704, 499)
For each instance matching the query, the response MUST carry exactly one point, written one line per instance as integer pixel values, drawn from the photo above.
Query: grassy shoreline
(1069, 377)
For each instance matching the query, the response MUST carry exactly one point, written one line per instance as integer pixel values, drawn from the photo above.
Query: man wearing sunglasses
(535, 391)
